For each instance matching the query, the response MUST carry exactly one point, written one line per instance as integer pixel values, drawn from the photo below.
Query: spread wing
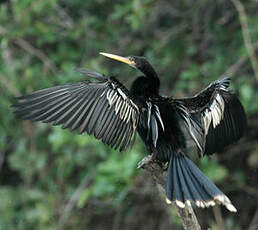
(103, 108)
(214, 117)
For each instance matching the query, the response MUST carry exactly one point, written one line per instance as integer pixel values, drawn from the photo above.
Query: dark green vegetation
(52, 178)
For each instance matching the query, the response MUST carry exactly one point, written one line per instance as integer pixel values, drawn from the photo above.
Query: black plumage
(214, 118)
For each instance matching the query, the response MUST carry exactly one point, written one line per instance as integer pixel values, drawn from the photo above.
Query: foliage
(41, 42)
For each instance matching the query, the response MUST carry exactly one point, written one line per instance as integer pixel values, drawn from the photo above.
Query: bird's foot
(164, 166)
(146, 160)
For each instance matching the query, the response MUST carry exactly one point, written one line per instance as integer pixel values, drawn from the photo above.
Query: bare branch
(232, 70)
(48, 64)
(186, 214)
(71, 203)
(8, 85)
(218, 217)
(36, 52)
(254, 223)
(247, 40)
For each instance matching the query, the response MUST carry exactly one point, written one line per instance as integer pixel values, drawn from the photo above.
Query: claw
(165, 166)
(145, 161)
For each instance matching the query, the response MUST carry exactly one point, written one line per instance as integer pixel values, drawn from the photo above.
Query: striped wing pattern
(214, 118)
(103, 109)
(154, 120)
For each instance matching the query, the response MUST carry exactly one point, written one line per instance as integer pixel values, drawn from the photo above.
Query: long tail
(186, 183)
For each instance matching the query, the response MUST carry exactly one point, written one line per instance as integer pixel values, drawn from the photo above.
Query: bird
(103, 107)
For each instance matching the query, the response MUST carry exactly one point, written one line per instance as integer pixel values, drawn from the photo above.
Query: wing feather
(76, 112)
(88, 102)
(121, 136)
(216, 113)
(104, 108)
(115, 135)
(126, 137)
(96, 115)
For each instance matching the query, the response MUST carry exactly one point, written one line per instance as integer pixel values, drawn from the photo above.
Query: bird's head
(137, 62)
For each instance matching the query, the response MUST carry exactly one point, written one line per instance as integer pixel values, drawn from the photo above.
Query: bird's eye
(131, 58)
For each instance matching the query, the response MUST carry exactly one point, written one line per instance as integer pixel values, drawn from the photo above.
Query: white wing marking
(214, 113)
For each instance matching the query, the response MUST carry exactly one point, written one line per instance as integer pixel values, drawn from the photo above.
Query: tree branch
(247, 40)
(254, 222)
(218, 217)
(5, 83)
(233, 69)
(25, 45)
(186, 214)
(72, 202)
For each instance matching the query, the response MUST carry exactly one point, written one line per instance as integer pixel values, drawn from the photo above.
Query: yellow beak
(119, 58)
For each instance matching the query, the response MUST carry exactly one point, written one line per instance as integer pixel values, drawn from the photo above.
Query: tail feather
(185, 183)
(202, 196)
(207, 186)
(192, 184)
(178, 189)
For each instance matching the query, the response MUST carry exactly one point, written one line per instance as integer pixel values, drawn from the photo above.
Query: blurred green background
(53, 179)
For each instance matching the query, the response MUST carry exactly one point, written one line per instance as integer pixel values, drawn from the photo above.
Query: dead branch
(5, 83)
(25, 45)
(254, 222)
(186, 214)
(247, 40)
(72, 202)
(233, 69)
(218, 217)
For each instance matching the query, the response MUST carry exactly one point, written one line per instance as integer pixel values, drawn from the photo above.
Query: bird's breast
(159, 128)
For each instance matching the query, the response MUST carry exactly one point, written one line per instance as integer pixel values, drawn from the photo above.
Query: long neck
(145, 87)
(149, 72)
(151, 75)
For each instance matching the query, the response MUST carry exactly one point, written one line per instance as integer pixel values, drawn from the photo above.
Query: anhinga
(213, 118)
